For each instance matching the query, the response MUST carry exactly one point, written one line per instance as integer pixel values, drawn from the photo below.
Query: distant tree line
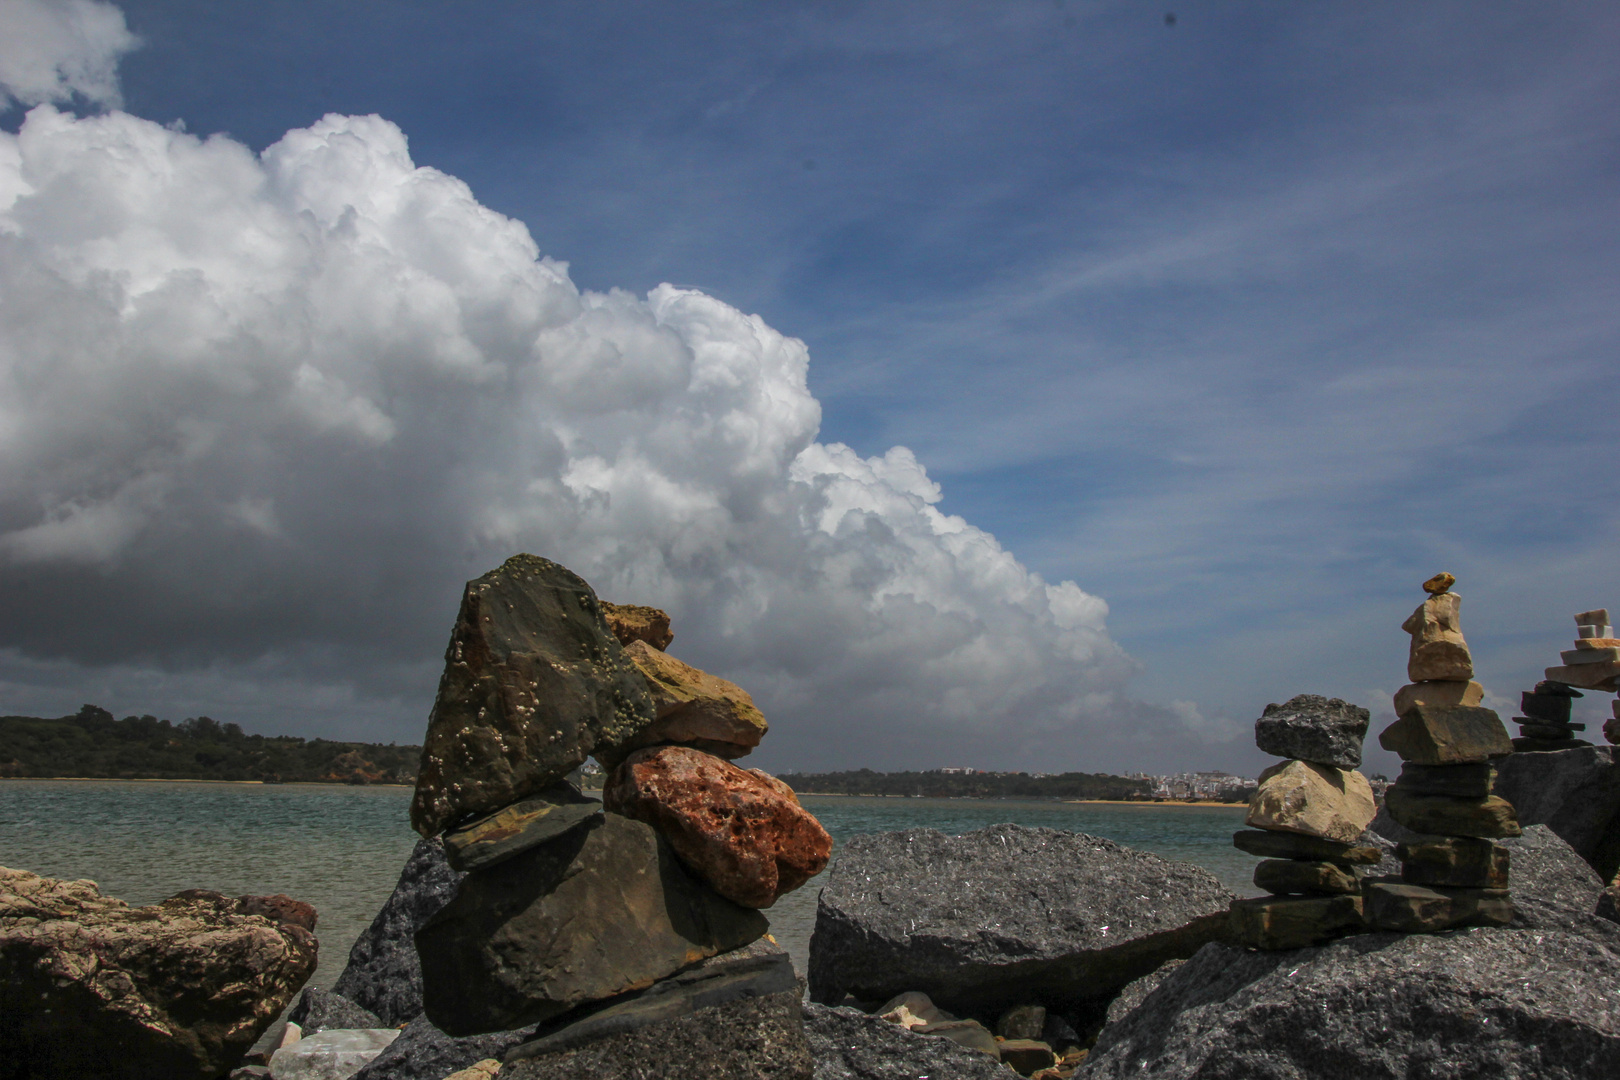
(93, 744)
(956, 785)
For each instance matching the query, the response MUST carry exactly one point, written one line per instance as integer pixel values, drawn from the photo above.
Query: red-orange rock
(736, 830)
(633, 622)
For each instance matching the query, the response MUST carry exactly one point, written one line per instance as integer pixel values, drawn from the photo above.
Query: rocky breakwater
(1305, 817)
(1451, 872)
(90, 986)
(629, 936)
(1027, 933)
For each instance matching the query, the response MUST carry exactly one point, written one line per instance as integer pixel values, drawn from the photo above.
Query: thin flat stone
(519, 827)
(1422, 909)
(1541, 746)
(1458, 735)
(1456, 861)
(1438, 692)
(1269, 922)
(1533, 730)
(1605, 676)
(1459, 781)
(1441, 815)
(1590, 656)
(1289, 845)
(1291, 876)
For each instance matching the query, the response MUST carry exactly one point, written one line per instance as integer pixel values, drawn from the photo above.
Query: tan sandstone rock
(1438, 649)
(1601, 676)
(1444, 693)
(633, 622)
(1318, 800)
(90, 986)
(693, 708)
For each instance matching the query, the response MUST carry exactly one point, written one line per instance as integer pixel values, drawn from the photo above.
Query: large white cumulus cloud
(260, 416)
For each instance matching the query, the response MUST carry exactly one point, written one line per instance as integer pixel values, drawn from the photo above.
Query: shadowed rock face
(423, 1052)
(90, 986)
(851, 1045)
(534, 683)
(598, 911)
(1575, 792)
(1476, 1003)
(384, 974)
(1005, 916)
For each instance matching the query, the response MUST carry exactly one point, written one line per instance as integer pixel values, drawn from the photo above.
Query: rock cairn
(1305, 818)
(1545, 724)
(1593, 664)
(1440, 665)
(1453, 875)
(597, 925)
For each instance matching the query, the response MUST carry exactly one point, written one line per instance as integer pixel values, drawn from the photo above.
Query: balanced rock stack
(1454, 875)
(1306, 815)
(1545, 724)
(1440, 666)
(1594, 664)
(598, 926)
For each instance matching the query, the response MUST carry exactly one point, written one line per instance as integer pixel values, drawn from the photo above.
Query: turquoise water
(341, 848)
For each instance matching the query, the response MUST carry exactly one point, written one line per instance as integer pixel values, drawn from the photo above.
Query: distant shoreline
(1031, 798)
(188, 780)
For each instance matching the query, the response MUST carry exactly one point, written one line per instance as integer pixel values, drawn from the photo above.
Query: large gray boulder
(1486, 1002)
(1005, 916)
(1576, 792)
(384, 974)
(317, 1009)
(423, 1052)
(750, 1038)
(851, 1045)
(534, 682)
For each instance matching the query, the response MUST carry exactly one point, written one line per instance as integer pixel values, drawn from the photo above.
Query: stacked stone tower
(1593, 664)
(1453, 875)
(1306, 815)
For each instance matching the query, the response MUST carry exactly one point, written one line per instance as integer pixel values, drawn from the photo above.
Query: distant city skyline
(1040, 384)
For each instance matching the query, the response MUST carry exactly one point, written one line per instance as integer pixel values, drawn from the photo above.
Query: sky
(1039, 385)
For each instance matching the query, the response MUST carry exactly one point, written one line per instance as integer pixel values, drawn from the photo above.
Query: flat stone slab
(1285, 876)
(1459, 862)
(1426, 909)
(603, 909)
(1491, 817)
(1455, 735)
(1293, 922)
(1604, 676)
(1324, 731)
(1484, 1002)
(1004, 916)
(1288, 845)
(1458, 781)
(519, 827)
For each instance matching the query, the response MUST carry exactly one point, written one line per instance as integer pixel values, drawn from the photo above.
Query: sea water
(341, 848)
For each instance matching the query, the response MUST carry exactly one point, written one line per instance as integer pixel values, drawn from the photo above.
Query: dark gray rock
(519, 827)
(851, 1045)
(1323, 731)
(598, 911)
(1136, 991)
(1487, 1002)
(1608, 905)
(1553, 888)
(754, 970)
(534, 682)
(384, 974)
(1005, 916)
(1576, 792)
(317, 1009)
(423, 1052)
(753, 1038)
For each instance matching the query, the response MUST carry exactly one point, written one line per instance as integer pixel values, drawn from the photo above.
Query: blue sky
(1245, 324)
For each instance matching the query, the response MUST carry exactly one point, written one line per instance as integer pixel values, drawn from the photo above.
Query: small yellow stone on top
(1439, 583)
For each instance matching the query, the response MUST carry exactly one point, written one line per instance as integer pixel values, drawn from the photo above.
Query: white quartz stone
(334, 1054)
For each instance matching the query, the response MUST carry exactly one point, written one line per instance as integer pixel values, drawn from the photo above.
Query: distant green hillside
(93, 744)
(957, 785)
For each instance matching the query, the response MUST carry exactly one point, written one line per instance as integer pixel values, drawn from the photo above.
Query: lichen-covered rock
(737, 832)
(384, 974)
(1324, 731)
(90, 986)
(1317, 800)
(534, 683)
(693, 708)
(598, 911)
(1004, 916)
(1486, 1002)
(636, 622)
(851, 1045)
